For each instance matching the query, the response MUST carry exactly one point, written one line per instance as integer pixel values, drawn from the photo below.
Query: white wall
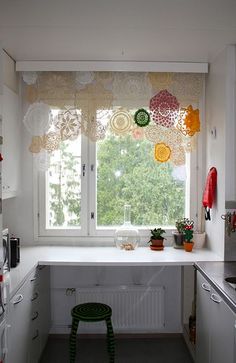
(220, 150)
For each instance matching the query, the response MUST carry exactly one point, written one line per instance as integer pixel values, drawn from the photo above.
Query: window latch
(83, 169)
(92, 215)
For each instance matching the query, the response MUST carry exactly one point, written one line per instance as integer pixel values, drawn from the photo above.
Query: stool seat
(92, 312)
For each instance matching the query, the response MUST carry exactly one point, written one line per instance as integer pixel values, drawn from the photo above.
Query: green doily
(142, 117)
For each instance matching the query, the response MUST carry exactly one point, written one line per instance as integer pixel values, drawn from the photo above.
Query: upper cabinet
(10, 130)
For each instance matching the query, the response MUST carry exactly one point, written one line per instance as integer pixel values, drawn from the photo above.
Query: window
(84, 190)
(92, 177)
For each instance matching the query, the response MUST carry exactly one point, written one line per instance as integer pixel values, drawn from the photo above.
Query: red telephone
(209, 192)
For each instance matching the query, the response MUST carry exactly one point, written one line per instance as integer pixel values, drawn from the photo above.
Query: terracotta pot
(188, 246)
(157, 242)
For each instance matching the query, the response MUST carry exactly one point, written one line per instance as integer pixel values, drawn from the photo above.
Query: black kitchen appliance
(14, 251)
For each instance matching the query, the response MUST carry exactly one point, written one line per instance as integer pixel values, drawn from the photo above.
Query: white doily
(83, 78)
(30, 77)
(37, 118)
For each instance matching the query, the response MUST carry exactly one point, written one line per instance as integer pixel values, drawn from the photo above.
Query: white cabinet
(3, 342)
(29, 318)
(11, 143)
(216, 326)
(19, 321)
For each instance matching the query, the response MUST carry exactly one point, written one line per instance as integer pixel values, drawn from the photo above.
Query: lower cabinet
(215, 326)
(29, 318)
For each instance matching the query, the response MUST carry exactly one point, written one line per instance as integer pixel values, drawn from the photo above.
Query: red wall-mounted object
(209, 192)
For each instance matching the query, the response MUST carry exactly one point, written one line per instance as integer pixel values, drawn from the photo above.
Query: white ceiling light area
(124, 30)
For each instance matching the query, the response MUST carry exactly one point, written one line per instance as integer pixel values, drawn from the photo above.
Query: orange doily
(162, 152)
(189, 121)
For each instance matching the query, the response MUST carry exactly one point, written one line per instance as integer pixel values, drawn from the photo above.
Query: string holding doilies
(164, 108)
(69, 124)
(162, 152)
(120, 122)
(189, 121)
(37, 118)
(142, 117)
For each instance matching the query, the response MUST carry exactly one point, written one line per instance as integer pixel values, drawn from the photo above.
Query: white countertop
(101, 256)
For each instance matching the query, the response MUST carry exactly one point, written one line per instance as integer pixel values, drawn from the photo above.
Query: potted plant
(188, 235)
(179, 234)
(157, 239)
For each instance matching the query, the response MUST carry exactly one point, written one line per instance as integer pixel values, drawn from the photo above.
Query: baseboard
(120, 336)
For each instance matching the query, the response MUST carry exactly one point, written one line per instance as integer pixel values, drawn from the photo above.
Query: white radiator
(134, 308)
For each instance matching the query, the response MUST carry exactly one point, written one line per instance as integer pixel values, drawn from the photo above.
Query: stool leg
(73, 333)
(110, 341)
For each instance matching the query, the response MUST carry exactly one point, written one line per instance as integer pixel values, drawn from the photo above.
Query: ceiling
(126, 30)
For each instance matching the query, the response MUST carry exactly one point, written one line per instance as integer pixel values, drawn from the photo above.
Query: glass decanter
(127, 236)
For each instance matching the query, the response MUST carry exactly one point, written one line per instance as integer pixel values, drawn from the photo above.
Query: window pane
(63, 186)
(128, 173)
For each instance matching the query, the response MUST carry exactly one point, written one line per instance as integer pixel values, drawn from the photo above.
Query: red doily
(164, 108)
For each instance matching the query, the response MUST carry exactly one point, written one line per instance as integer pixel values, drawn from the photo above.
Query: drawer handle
(18, 299)
(206, 287)
(36, 335)
(35, 296)
(36, 314)
(215, 298)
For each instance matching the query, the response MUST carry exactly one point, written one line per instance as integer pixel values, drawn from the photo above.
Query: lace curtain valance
(161, 107)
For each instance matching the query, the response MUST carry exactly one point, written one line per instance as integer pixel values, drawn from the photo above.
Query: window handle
(83, 169)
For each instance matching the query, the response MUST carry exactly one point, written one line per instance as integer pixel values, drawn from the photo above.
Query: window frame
(88, 232)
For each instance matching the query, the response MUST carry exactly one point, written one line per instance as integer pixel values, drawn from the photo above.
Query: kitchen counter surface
(100, 256)
(215, 273)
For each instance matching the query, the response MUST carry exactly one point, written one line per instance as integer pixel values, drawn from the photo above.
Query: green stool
(92, 312)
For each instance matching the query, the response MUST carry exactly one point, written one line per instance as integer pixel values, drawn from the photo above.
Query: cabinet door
(11, 144)
(44, 305)
(19, 321)
(222, 331)
(203, 320)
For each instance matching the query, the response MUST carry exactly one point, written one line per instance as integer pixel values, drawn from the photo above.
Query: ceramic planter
(178, 240)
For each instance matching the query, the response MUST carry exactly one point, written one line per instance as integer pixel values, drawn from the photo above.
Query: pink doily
(164, 108)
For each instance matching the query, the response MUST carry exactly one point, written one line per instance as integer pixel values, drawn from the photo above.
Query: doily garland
(88, 102)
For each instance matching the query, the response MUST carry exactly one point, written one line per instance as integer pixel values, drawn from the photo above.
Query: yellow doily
(162, 152)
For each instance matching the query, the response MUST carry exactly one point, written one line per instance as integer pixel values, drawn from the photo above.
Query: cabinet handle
(18, 299)
(35, 296)
(215, 298)
(206, 287)
(36, 314)
(33, 279)
(36, 335)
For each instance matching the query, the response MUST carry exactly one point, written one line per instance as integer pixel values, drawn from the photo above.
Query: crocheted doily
(164, 108)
